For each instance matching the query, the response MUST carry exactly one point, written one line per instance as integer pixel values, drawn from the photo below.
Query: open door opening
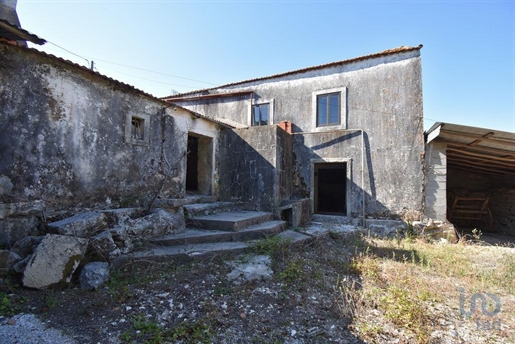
(330, 188)
(192, 164)
(199, 164)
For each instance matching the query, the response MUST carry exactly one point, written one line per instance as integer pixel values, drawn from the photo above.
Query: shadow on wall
(246, 174)
(338, 146)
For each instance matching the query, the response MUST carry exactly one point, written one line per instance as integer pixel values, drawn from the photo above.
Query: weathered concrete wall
(284, 165)
(382, 97)
(255, 166)
(65, 140)
(436, 181)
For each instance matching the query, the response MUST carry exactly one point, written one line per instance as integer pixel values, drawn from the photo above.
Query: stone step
(204, 209)
(189, 252)
(230, 221)
(186, 201)
(197, 236)
(182, 253)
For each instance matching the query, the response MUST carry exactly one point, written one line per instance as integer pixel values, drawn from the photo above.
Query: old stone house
(347, 136)
(71, 135)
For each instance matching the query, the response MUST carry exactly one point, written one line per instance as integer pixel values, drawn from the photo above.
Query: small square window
(260, 114)
(137, 128)
(328, 109)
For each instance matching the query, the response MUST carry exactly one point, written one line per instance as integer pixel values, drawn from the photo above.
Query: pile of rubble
(49, 253)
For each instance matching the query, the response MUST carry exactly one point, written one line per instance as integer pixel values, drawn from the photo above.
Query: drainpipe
(362, 159)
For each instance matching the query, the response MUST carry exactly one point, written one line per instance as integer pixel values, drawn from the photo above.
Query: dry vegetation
(423, 292)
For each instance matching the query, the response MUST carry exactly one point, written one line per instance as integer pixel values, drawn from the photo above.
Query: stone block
(7, 260)
(103, 243)
(54, 261)
(94, 275)
(122, 240)
(13, 229)
(159, 222)
(34, 208)
(26, 246)
(81, 225)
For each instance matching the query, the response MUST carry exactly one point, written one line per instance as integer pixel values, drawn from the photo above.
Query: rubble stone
(94, 275)
(13, 229)
(81, 225)
(159, 222)
(7, 260)
(54, 261)
(21, 209)
(103, 243)
(26, 246)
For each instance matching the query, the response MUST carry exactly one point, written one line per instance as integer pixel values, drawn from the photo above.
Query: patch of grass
(118, 285)
(149, 332)
(403, 279)
(223, 288)
(268, 245)
(10, 303)
(292, 273)
(405, 309)
(191, 332)
(51, 299)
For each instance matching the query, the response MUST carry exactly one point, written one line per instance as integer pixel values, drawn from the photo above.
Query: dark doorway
(331, 188)
(192, 164)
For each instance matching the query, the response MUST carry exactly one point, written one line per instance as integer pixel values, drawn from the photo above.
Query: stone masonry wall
(502, 205)
(66, 135)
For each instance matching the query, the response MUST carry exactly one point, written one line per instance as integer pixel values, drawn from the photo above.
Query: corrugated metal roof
(120, 84)
(479, 150)
(397, 50)
(14, 33)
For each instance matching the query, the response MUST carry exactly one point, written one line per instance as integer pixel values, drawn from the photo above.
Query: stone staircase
(211, 228)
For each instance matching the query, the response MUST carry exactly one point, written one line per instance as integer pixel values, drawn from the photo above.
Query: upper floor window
(328, 109)
(260, 114)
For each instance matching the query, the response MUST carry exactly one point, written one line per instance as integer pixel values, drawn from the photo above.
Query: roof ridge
(397, 50)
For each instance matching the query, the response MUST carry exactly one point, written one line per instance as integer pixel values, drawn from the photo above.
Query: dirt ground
(196, 302)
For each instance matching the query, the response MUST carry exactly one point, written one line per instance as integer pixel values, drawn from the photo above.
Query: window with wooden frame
(137, 129)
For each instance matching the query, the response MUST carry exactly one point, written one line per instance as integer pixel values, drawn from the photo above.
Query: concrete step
(197, 236)
(179, 202)
(204, 209)
(189, 252)
(230, 221)
(182, 253)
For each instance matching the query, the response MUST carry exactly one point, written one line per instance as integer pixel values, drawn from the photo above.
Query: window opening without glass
(138, 128)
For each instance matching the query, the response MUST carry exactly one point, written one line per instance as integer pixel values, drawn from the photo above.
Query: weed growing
(403, 279)
(10, 303)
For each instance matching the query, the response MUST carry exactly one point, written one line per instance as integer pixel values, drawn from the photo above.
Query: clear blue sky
(468, 57)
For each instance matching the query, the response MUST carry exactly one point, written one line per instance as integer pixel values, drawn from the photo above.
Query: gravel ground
(28, 329)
